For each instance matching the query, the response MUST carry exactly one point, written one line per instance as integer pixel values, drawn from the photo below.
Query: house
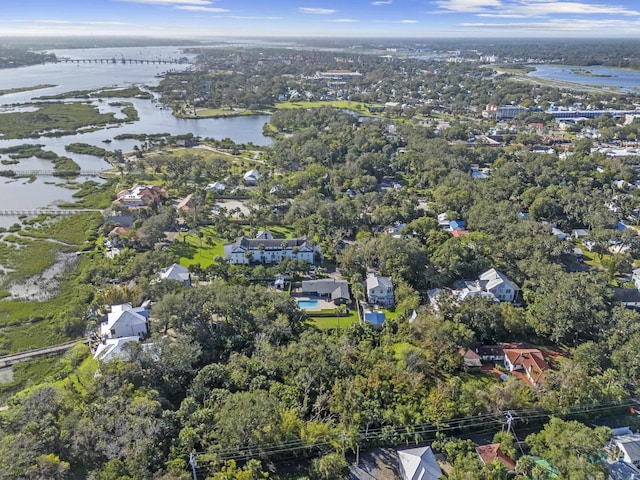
(622, 471)
(176, 272)
(186, 204)
(267, 249)
(492, 453)
(629, 446)
(559, 233)
(459, 233)
(418, 464)
(111, 348)
(443, 220)
(579, 233)
(125, 321)
(336, 290)
(456, 225)
(139, 196)
(470, 359)
(379, 290)
(628, 297)
(636, 277)
(251, 178)
(526, 363)
(491, 353)
(215, 187)
(499, 285)
(374, 317)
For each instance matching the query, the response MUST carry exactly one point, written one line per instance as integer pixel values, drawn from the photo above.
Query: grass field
(195, 250)
(357, 107)
(326, 323)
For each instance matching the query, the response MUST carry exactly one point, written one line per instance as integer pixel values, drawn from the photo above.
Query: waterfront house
(139, 196)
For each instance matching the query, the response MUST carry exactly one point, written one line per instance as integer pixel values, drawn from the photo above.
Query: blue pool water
(307, 303)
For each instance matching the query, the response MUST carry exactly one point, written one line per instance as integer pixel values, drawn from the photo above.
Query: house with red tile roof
(526, 363)
(492, 453)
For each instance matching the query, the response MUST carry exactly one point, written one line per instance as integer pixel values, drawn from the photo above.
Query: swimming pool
(305, 304)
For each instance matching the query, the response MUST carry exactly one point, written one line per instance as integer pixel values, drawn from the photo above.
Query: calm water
(153, 119)
(627, 80)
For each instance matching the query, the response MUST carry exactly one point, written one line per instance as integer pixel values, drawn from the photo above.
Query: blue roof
(374, 318)
(456, 223)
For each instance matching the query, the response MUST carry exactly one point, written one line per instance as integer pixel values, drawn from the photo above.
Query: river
(47, 191)
(626, 80)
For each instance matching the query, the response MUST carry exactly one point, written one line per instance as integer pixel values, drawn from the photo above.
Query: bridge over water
(124, 61)
(17, 212)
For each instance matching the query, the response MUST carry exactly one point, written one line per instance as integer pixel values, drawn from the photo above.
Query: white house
(111, 348)
(419, 464)
(125, 321)
(636, 277)
(629, 446)
(176, 272)
(499, 285)
(379, 290)
(266, 249)
(251, 178)
(215, 187)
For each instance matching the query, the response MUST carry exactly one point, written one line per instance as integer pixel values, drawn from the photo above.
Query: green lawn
(195, 250)
(358, 107)
(325, 323)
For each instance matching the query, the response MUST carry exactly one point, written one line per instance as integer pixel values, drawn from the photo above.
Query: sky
(339, 18)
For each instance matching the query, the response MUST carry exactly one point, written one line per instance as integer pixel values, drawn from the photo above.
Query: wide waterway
(90, 76)
(626, 80)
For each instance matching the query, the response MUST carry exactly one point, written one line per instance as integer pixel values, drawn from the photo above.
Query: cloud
(406, 21)
(316, 11)
(170, 2)
(530, 8)
(344, 20)
(196, 8)
(68, 22)
(467, 6)
(559, 25)
(379, 3)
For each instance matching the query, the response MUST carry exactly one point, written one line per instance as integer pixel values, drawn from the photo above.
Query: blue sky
(348, 18)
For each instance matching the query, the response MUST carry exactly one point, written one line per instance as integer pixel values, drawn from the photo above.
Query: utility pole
(509, 416)
(193, 463)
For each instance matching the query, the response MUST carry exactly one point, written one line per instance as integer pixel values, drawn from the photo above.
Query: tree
(332, 466)
(572, 448)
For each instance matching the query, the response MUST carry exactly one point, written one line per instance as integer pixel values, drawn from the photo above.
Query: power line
(389, 435)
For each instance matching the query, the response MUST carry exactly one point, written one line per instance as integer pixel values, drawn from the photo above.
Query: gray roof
(629, 444)
(275, 244)
(493, 278)
(327, 286)
(623, 471)
(419, 464)
(175, 272)
(374, 281)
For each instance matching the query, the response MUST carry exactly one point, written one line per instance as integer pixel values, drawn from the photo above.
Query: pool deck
(322, 303)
